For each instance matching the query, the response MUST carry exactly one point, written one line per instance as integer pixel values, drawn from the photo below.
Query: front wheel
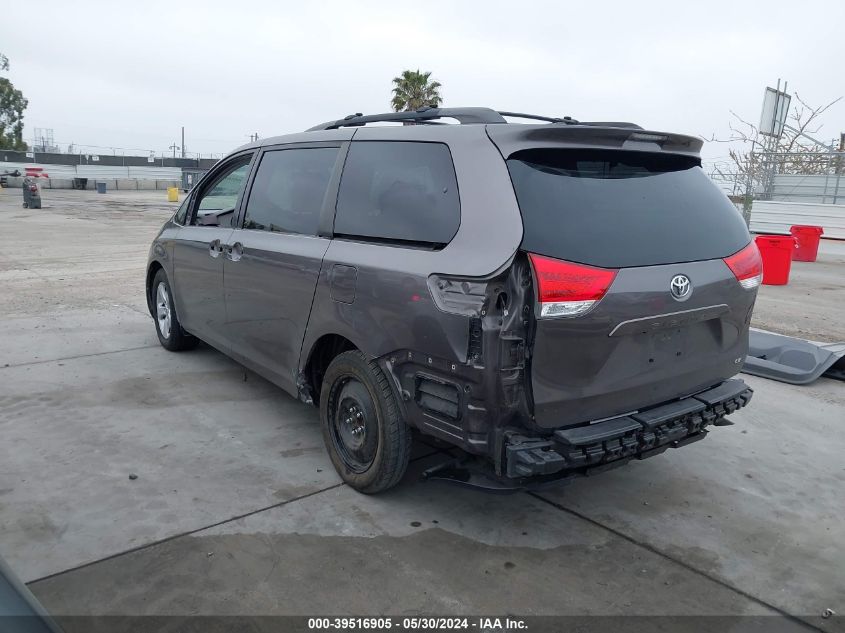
(170, 333)
(367, 439)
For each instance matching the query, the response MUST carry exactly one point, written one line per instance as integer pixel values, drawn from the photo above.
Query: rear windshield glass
(617, 209)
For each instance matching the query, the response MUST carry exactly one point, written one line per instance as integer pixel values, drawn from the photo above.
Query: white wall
(777, 217)
(101, 172)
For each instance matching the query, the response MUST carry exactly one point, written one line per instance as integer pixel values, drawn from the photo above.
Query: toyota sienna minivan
(553, 298)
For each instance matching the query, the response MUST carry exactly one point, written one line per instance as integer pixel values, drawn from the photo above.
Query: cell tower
(42, 140)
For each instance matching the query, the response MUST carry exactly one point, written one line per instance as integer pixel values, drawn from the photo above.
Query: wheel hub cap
(163, 310)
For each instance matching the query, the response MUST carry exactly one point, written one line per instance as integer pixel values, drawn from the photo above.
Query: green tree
(12, 105)
(413, 89)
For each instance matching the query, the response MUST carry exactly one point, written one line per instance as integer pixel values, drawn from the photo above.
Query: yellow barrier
(173, 194)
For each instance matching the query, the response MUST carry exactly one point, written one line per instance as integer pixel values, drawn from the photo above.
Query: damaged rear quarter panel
(393, 313)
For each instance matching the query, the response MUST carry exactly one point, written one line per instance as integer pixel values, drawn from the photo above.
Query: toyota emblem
(680, 287)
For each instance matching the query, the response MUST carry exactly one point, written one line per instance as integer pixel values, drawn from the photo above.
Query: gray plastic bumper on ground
(792, 360)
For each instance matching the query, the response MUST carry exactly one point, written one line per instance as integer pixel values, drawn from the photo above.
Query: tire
(370, 453)
(25, 205)
(170, 333)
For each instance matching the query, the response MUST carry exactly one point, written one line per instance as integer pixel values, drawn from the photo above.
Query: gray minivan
(553, 297)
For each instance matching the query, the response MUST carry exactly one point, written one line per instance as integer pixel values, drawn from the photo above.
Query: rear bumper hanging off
(531, 462)
(631, 436)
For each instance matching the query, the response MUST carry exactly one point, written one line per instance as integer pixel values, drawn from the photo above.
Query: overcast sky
(115, 74)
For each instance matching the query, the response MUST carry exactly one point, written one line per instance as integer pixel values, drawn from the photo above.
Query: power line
(80, 148)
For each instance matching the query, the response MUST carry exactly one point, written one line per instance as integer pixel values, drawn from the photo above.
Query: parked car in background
(551, 297)
(20, 611)
(5, 175)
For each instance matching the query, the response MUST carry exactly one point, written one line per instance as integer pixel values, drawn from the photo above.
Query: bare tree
(754, 158)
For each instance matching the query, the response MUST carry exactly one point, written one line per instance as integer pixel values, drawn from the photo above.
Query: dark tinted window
(620, 208)
(399, 192)
(288, 190)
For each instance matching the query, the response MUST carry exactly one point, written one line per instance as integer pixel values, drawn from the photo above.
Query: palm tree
(413, 90)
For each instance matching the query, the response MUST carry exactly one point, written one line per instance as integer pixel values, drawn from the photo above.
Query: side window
(182, 211)
(402, 191)
(288, 190)
(217, 201)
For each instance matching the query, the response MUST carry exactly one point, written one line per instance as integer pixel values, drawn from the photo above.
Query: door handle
(215, 248)
(235, 251)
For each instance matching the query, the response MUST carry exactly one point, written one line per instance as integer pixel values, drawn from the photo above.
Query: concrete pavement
(237, 510)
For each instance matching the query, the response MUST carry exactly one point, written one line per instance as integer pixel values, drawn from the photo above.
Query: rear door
(273, 260)
(635, 259)
(198, 251)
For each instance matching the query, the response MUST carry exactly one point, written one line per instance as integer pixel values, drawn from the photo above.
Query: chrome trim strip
(722, 307)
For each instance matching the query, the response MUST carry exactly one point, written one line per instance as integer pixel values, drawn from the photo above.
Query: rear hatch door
(644, 272)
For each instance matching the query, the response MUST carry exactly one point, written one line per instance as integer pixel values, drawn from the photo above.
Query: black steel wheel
(354, 426)
(367, 439)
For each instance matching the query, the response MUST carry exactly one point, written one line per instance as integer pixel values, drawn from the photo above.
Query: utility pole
(183, 141)
(174, 147)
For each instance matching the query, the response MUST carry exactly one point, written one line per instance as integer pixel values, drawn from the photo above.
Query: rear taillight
(565, 289)
(747, 266)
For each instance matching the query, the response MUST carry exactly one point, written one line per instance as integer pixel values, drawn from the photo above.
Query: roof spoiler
(621, 136)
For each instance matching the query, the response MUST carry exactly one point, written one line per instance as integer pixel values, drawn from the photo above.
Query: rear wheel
(170, 333)
(366, 437)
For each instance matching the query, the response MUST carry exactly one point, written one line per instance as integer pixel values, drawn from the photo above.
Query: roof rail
(536, 117)
(462, 115)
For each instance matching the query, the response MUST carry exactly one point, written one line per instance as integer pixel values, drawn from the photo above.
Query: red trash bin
(776, 251)
(808, 237)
